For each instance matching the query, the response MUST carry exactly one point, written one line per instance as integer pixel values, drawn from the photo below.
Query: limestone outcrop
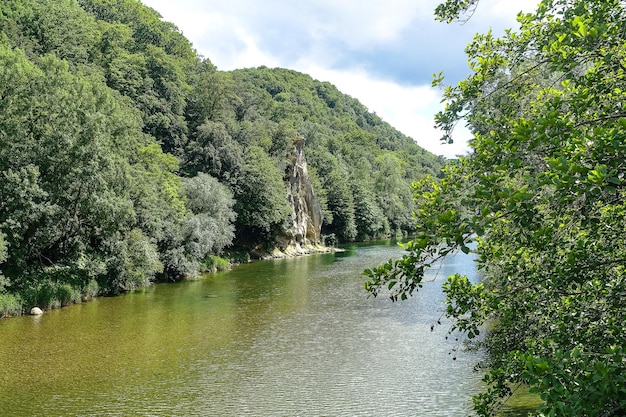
(305, 222)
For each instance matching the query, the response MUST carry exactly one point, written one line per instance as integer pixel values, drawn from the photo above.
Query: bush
(66, 294)
(329, 240)
(49, 294)
(215, 263)
(45, 296)
(240, 257)
(10, 305)
(91, 290)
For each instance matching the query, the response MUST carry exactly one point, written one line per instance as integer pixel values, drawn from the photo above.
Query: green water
(292, 337)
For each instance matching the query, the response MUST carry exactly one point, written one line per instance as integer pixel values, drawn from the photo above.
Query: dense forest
(541, 201)
(126, 157)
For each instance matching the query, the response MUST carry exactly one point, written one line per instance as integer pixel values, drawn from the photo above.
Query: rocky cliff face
(305, 221)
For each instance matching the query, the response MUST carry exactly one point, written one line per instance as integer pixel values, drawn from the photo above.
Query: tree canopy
(541, 196)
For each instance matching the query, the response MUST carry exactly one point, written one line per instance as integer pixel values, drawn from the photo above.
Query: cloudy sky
(381, 52)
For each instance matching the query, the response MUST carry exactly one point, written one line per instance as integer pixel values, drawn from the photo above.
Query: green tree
(50, 27)
(261, 195)
(158, 198)
(341, 204)
(148, 60)
(3, 257)
(84, 193)
(211, 228)
(211, 97)
(455, 10)
(394, 193)
(542, 196)
(61, 143)
(213, 150)
(134, 263)
(369, 219)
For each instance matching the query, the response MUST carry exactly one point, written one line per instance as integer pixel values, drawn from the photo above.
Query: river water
(289, 337)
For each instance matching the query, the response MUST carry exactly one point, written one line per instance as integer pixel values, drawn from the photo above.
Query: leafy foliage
(63, 144)
(542, 196)
(262, 207)
(455, 10)
(211, 228)
(86, 195)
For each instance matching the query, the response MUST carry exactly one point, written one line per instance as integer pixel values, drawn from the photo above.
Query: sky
(382, 52)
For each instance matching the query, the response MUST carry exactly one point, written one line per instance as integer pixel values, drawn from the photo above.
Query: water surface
(290, 337)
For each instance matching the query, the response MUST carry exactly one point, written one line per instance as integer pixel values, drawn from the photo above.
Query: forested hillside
(126, 157)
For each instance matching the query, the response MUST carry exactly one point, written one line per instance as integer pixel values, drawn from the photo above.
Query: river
(288, 337)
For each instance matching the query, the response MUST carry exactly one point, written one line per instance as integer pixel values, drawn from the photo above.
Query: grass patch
(49, 294)
(10, 305)
(215, 263)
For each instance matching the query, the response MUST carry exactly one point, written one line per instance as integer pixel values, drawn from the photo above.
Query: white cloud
(507, 10)
(361, 23)
(250, 54)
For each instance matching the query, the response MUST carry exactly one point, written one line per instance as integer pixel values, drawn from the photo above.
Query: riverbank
(51, 296)
(294, 250)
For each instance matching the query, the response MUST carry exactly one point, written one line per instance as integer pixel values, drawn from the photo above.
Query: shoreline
(291, 251)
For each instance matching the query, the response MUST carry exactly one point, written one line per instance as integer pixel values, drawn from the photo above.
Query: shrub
(91, 290)
(66, 294)
(10, 305)
(45, 296)
(240, 257)
(50, 294)
(215, 263)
